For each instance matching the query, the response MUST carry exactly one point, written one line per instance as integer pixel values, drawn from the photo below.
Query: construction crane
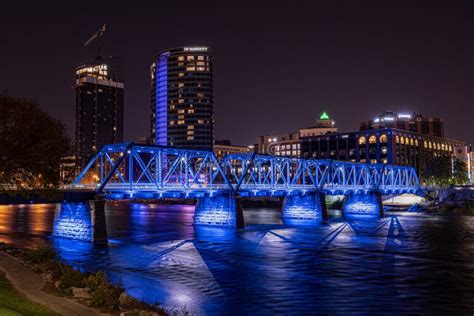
(98, 35)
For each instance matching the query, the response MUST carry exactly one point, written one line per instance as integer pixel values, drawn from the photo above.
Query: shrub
(41, 254)
(70, 277)
(103, 292)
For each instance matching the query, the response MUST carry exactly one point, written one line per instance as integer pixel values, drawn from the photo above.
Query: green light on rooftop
(324, 116)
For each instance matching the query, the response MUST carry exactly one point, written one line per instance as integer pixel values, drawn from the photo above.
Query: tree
(32, 142)
(460, 172)
(438, 171)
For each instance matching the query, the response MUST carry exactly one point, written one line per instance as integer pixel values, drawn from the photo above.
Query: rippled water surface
(404, 262)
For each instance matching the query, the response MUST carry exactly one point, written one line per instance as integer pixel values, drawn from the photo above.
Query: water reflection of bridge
(128, 171)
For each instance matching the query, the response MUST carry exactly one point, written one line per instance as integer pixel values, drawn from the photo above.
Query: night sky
(278, 64)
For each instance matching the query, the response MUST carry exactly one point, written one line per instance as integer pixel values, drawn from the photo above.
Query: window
(200, 57)
(190, 68)
(189, 57)
(383, 138)
(362, 140)
(180, 58)
(397, 139)
(372, 139)
(402, 140)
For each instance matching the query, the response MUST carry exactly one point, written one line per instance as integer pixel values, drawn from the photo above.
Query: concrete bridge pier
(220, 211)
(83, 221)
(307, 207)
(363, 204)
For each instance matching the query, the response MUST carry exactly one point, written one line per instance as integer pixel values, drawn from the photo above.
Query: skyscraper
(99, 106)
(182, 98)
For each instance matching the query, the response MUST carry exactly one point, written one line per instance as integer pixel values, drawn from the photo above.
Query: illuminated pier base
(308, 207)
(222, 211)
(363, 204)
(83, 221)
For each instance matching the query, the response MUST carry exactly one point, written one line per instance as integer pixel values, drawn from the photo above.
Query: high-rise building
(182, 98)
(99, 106)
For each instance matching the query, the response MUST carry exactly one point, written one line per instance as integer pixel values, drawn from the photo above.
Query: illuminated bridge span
(144, 171)
(127, 171)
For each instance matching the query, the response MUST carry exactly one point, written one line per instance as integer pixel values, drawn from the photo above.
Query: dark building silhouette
(182, 98)
(412, 122)
(99, 106)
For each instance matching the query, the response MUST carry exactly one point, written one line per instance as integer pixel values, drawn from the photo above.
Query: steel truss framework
(132, 170)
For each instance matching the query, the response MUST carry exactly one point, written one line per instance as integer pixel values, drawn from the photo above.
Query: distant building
(224, 147)
(67, 170)
(412, 122)
(289, 144)
(182, 98)
(385, 145)
(99, 106)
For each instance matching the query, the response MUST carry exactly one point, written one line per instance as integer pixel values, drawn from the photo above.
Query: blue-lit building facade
(182, 98)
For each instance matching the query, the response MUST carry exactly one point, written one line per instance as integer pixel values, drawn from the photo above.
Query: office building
(417, 123)
(289, 144)
(224, 147)
(99, 106)
(182, 98)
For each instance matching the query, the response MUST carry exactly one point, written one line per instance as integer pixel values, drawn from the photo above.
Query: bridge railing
(131, 167)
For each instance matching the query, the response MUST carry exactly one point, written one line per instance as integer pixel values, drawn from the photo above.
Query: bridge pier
(83, 221)
(221, 211)
(311, 206)
(363, 204)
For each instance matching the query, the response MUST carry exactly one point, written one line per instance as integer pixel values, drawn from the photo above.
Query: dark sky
(278, 64)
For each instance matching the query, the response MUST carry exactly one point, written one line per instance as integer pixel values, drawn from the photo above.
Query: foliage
(41, 254)
(32, 142)
(438, 171)
(460, 172)
(103, 292)
(71, 277)
(13, 303)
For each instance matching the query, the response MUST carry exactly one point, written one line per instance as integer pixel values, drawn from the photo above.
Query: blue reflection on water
(351, 264)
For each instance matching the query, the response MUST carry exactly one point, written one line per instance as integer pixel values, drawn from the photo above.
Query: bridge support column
(83, 221)
(222, 211)
(310, 206)
(363, 204)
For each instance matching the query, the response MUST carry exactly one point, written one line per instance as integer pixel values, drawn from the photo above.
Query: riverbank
(61, 289)
(12, 302)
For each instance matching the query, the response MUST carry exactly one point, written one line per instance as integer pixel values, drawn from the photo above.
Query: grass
(13, 303)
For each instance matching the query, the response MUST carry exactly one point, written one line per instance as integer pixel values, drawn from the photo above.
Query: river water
(402, 263)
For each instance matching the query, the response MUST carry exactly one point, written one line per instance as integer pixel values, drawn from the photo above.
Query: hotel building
(182, 98)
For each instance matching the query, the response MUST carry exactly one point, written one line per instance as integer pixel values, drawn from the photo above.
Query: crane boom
(97, 34)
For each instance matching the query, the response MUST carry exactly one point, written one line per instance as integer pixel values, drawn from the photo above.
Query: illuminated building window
(425, 144)
(200, 57)
(373, 161)
(181, 74)
(190, 57)
(201, 69)
(180, 101)
(190, 68)
(190, 111)
(190, 132)
(402, 140)
(171, 122)
(181, 122)
(438, 146)
(397, 139)
(416, 142)
(412, 142)
(383, 138)
(384, 160)
(430, 145)
(362, 140)
(362, 160)
(180, 117)
(372, 139)
(190, 138)
(180, 111)
(200, 121)
(384, 150)
(200, 63)
(442, 147)
(190, 126)
(180, 85)
(180, 58)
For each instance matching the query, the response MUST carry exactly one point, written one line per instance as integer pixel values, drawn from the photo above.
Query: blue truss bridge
(130, 171)
(147, 171)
